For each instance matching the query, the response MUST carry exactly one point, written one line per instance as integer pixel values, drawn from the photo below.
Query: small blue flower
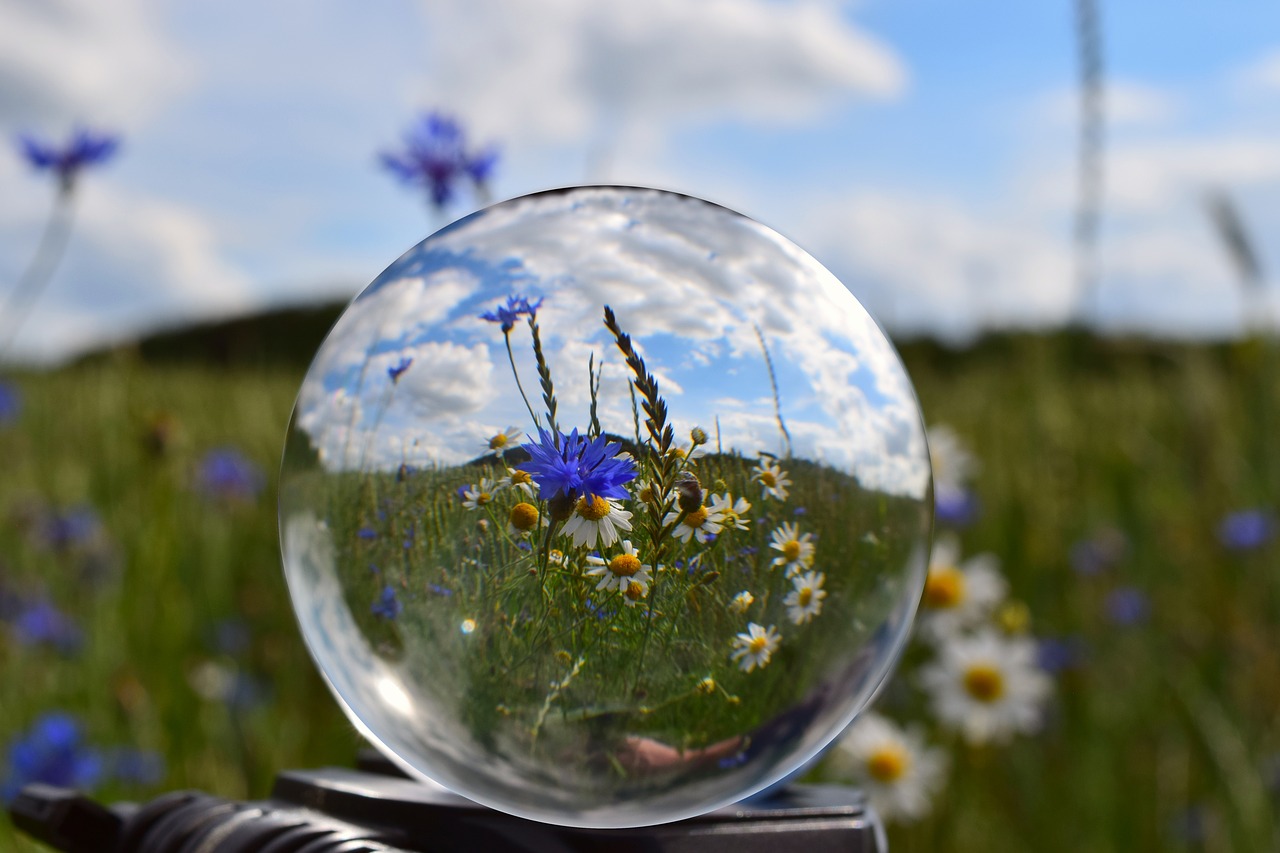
(84, 148)
(508, 314)
(42, 623)
(227, 474)
(956, 507)
(436, 156)
(54, 753)
(440, 590)
(800, 511)
(1128, 606)
(367, 533)
(10, 403)
(578, 468)
(396, 370)
(62, 531)
(1058, 654)
(387, 605)
(1247, 529)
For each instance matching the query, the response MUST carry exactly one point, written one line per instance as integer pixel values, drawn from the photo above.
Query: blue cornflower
(440, 590)
(396, 370)
(65, 530)
(578, 468)
(84, 148)
(54, 753)
(367, 533)
(1056, 654)
(387, 605)
(1127, 606)
(1246, 529)
(508, 315)
(42, 623)
(436, 156)
(955, 507)
(227, 474)
(10, 403)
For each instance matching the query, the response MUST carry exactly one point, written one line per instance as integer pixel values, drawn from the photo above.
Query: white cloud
(1125, 103)
(1263, 73)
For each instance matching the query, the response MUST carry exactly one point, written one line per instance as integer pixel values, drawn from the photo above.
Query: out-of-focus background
(1063, 213)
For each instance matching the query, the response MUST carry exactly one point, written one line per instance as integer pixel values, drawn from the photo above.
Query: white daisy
(731, 514)
(958, 596)
(805, 601)
(621, 571)
(772, 478)
(987, 687)
(597, 520)
(517, 479)
(523, 519)
(795, 550)
(755, 647)
(899, 774)
(699, 524)
(953, 464)
(478, 494)
(502, 442)
(692, 452)
(741, 602)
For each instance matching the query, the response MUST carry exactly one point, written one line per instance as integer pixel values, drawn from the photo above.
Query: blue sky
(923, 150)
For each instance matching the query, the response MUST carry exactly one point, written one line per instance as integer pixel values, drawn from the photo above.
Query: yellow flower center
(556, 556)
(768, 478)
(757, 644)
(498, 441)
(625, 565)
(524, 516)
(483, 498)
(888, 763)
(707, 685)
(945, 588)
(676, 453)
(520, 478)
(984, 682)
(791, 550)
(697, 518)
(593, 510)
(805, 596)
(635, 590)
(647, 495)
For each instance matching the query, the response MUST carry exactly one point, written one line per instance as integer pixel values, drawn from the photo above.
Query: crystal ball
(605, 507)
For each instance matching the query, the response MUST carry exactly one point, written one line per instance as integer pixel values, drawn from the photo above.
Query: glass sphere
(605, 507)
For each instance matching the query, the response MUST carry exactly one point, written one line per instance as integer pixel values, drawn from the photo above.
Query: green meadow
(1161, 735)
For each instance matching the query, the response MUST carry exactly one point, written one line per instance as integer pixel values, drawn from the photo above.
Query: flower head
(517, 480)
(623, 572)
(507, 315)
(227, 474)
(479, 494)
(741, 602)
(772, 478)
(732, 513)
(1127, 606)
(84, 148)
(397, 370)
(577, 468)
(436, 156)
(953, 464)
(754, 648)
(597, 521)
(42, 623)
(1246, 530)
(500, 443)
(956, 595)
(52, 752)
(795, 550)
(893, 766)
(805, 601)
(701, 524)
(387, 605)
(523, 519)
(987, 687)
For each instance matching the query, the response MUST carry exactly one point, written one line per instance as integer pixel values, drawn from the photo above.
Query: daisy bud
(698, 435)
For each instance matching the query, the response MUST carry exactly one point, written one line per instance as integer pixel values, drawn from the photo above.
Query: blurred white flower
(959, 595)
(953, 464)
(899, 774)
(987, 687)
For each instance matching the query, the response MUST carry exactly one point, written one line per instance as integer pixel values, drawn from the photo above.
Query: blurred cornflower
(397, 370)
(1059, 654)
(387, 605)
(956, 507)
(1127, 606)
(10, 403)
(436, 156)
(1247, 529)
(1099, 552)
(41, 623)
(83, 149)
(227, 474)
(71, 528)
(987, 686)
(899, 774)
(52, 752)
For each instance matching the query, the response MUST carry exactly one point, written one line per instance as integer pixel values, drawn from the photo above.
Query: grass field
(177, 636)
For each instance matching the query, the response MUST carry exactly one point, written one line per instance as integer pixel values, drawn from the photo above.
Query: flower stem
(512, 358)
(36, 277)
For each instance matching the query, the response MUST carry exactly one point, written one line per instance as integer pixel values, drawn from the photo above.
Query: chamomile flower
(502, 442)
(987, 687)
(899, 774)
(953, 464)
(755, 647)
(732, 514)
(618, 571)
(958, 596)
(524, 519)
(741, 602)
(805, 601)
(597, 520)
(699, 524)
(517, 479)
(795, 549)
(772, 478)
(478, 494)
